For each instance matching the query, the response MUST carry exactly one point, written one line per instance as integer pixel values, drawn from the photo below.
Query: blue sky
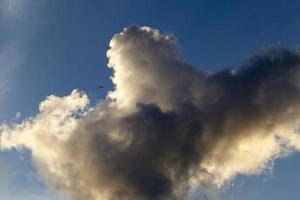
(52, 47)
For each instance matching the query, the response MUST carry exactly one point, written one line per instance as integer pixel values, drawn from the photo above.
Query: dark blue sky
(52, 47)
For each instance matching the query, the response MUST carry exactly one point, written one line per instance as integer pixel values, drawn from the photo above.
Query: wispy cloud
(13, 13)
(10, 59)
(3, 88)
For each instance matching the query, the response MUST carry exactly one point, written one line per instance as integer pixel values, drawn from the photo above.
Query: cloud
(15, 15)
(167, 128)
(18, 115)
(3, 88)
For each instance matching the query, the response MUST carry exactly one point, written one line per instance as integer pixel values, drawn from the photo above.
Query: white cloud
(18, 115)
(170, 127)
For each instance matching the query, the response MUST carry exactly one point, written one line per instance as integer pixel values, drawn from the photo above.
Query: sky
(52, 47)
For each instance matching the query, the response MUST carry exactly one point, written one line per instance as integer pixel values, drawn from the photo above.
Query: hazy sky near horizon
(52, 47)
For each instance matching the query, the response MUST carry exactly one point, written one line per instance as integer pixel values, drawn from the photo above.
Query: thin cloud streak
(10, 59)
(13, 15)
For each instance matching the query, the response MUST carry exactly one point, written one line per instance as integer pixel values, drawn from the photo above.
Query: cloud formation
(167, 128)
